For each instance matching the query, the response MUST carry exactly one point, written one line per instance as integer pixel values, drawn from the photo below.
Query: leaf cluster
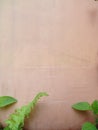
(85, 106)
(16, 119)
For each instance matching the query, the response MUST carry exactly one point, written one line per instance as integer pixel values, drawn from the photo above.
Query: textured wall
(49, 45)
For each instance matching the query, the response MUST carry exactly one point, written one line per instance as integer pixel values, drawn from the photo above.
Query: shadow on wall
(55, 116)
(93, 16)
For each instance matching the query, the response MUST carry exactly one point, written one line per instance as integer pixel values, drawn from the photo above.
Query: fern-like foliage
(16, 119)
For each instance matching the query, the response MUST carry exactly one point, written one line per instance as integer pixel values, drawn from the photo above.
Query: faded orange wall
(52, 46)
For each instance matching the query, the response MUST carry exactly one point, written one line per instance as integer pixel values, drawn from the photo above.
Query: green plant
(85, 106)
(16, 119)
(6, 101)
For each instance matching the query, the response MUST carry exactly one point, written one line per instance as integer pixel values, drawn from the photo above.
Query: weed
(85, 106)
(16, 119)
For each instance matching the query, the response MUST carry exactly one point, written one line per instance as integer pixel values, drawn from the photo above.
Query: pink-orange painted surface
(52, 46)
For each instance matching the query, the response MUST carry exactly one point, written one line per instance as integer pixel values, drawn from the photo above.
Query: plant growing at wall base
(85, 106)
(6, 101)
(16, 119)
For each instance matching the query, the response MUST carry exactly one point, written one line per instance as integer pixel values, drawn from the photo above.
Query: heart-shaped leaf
(88, 126)
(82, 106)
(6, 100)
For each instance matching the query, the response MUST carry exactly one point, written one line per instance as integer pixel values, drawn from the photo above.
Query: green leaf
(82, 106)
(6, 100)
(88, 126)
(95, 107)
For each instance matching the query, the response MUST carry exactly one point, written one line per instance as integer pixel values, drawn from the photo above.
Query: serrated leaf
(88, 126)
(16, 119)
(95, 107)
(82, 106)
(6, 100)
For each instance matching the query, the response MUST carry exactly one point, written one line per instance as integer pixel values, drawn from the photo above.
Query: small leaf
(95, 107)
(88, 126)
(6, 100)
(82, 106)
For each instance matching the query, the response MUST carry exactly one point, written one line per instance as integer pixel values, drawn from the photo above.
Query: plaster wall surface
(52, 46)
